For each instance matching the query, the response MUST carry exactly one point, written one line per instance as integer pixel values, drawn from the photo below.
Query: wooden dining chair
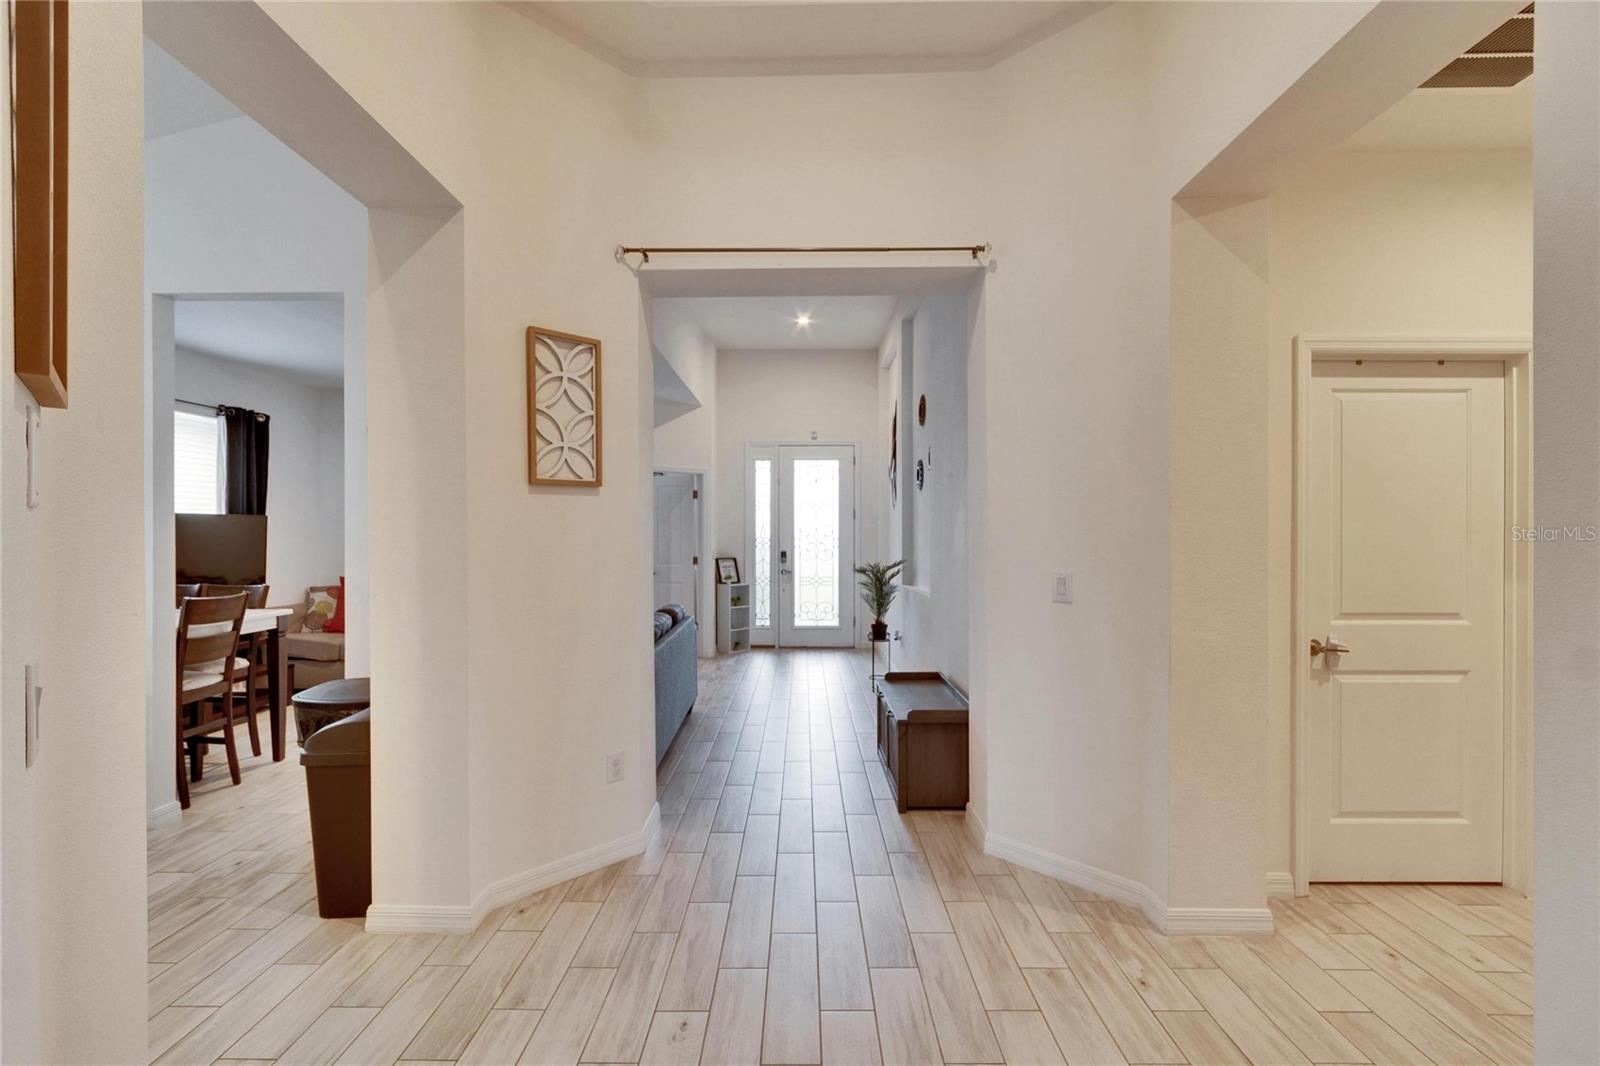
(185, 591)
(253, 649)
(208, 642)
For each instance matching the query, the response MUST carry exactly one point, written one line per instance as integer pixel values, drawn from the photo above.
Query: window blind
(196, 463)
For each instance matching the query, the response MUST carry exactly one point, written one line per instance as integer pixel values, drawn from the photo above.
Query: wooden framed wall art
(563, 409)
(38, 40)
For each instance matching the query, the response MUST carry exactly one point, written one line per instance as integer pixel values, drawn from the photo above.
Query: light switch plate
(1061, 587)
(34, 693)
(35, 446)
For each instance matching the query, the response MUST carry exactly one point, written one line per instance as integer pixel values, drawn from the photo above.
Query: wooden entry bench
(922, 737)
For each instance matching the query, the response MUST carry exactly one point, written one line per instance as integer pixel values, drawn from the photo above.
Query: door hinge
(696, 494)
(696, 561)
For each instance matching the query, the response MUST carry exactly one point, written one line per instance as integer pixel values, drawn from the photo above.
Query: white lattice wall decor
(563, 408)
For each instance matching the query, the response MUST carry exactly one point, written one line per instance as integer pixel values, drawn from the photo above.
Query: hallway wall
(1566, 574)
(932, 613)
(72, 857)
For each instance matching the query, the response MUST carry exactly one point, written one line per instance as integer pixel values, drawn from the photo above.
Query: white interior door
(677, 536)
(1406, 569)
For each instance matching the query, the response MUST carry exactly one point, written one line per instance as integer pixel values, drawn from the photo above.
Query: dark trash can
(338, 762)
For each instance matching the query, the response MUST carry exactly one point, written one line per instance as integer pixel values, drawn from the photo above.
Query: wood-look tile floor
(788, 913)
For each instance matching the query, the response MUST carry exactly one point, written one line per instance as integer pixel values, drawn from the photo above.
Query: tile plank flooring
(788, 913)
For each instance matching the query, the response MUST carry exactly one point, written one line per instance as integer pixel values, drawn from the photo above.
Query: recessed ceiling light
(802, 320)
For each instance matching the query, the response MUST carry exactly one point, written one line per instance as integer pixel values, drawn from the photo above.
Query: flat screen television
(224, 549)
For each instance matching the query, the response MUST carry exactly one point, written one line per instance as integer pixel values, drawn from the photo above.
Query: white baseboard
(1174, 921)
(164, 814)
(1103, 882)
(400, 918)
(976, 828)
(1218, 921)
(1280, 884)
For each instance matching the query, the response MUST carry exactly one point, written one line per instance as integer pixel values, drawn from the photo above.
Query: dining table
(274, 622)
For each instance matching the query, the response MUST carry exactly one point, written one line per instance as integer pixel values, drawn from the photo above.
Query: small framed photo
(727, 570)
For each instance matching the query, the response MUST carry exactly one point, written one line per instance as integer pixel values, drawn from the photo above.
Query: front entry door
(1406, 554)
(802, 544)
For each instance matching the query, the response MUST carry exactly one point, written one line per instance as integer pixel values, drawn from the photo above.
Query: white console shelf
(733, 618)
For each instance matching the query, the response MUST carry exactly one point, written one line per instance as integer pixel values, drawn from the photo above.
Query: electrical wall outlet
(1061, 587)
(613, 767)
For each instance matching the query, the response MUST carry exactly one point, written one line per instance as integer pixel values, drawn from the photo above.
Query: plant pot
(880, 630)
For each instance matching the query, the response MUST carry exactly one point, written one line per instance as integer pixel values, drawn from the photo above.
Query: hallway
(787, 913)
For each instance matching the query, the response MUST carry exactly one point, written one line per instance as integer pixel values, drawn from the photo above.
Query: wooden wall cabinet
(38, 31)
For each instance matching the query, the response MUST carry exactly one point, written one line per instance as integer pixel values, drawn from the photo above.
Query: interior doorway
(1410, 693)
(848, 376)
(801, 538)
(676, 565)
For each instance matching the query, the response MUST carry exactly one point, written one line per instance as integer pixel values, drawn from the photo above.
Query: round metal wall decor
(922, 410)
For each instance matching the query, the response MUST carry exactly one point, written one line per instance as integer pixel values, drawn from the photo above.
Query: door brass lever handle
(1332, 647)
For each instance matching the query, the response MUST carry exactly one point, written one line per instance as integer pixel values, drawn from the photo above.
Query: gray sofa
(677, 678)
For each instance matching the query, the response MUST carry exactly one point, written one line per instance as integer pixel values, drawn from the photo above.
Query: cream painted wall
(305, 482)
(1566, 573)
(1076, 372)
(786, 396)
(72, 909)
(1219, 558)
(931, 615)
(688, 442)
(1378, 244)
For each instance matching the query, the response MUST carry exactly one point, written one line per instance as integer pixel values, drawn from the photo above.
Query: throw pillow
(321, 603)
(336, 623)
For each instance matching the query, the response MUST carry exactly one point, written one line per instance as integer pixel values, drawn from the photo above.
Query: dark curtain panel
(246, 460)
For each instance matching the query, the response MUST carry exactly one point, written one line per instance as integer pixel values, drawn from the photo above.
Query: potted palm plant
(878, 590)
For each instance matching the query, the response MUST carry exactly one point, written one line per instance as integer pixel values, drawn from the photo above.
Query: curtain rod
(975, 250)
(260, 415)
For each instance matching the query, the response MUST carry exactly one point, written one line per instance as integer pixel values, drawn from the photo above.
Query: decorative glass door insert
(816, 537)
(761, 552)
